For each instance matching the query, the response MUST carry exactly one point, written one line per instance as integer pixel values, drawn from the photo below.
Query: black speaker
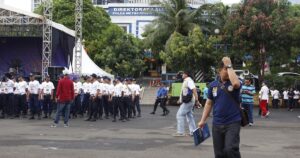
(54, 72)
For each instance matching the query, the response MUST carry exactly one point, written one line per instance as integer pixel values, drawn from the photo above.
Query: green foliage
(281, 82)
(107, 44)
(192, 52)
(261, 28)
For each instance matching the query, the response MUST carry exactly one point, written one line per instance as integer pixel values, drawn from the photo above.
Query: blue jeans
(185, 112)
(60, 108)
(249, 108)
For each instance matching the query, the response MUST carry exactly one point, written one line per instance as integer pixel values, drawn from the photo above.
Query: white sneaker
(54, 125)
(299, 116)
(251, 124)
(66, 125)
(268, 113)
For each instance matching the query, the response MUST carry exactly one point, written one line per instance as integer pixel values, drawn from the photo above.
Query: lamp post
(217, 31)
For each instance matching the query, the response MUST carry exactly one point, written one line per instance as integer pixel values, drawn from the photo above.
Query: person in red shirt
(64, 98)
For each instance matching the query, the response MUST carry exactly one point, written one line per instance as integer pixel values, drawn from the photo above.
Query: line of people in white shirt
(17, 96)
(100, 98)
(96, 97)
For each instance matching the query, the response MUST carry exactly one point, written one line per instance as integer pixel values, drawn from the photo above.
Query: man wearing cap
(48, 96)
(64, 97)
(33, 90)
(117, 100)
(127, 98)
(224, 98)
(185, 110)
(20, 97)
(95, 102)
(77, 102)
(105, 97)
(136, 102)
(86, 87)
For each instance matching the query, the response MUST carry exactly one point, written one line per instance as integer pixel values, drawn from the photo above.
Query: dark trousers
(47, 105)
(34, 105)
(76, 106)
(118, 107)
(9, 104)
(85, 104)
(226, 140)
(285, 102)
(2, 104)
(105, 105)
(94, 103)
(162, 102)
(163, 105)
(137, 104)
(291, 103)
(100, 107)
(275, 103)
(20, 106)
(127, 102)
(295, 103)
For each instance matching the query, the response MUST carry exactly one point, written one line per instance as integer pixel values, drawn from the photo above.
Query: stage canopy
(21, 39)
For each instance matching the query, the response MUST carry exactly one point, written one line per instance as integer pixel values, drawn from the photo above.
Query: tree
(107, 44)
(176, 17)
(260, 28)
(192, 52)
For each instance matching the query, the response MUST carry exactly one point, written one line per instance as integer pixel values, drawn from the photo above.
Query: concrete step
(149, 95)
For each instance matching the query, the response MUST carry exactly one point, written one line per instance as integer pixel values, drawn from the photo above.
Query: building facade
(134, 15)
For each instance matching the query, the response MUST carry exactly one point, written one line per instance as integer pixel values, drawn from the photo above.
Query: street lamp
(217, 31)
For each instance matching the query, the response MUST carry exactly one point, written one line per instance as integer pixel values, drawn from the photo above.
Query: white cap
(66, 72)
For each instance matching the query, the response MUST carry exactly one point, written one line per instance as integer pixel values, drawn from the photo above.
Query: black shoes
(152, 113)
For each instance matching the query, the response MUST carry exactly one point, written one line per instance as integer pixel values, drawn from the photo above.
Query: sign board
(176, 88)
(133, 11)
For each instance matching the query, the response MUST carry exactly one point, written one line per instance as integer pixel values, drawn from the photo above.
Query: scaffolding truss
(78, 36)
(47, 37)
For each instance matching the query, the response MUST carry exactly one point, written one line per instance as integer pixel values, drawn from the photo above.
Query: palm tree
(178, 16)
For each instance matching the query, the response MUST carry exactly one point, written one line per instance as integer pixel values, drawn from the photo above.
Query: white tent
(88, 66)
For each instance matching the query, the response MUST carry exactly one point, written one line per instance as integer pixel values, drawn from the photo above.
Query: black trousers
(47, 105)
(2, 104)
(105, 104)
(162, 102)
(118, 107)
(275, 103)
(100, 107)
(85, 104)
(34, 105)
(20, 106)
(76, 106)
(9, 104)
(226, 140)
(127, 101)
(93, 111)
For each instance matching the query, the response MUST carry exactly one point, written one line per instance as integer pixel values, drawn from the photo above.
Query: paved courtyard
(146, 137)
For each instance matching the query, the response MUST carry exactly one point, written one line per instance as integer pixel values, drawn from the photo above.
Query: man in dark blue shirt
(161, 98)
(226, 111)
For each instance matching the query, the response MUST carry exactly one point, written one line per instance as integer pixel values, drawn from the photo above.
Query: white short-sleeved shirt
(94, 88)
(110, 89)
(33, 87)
(285, 95)
(10, 86)
(118, 89)
(104, 88)
(276, 94)
(86, 87)
(47, 87)
(137, 89)
(297, 93)
(127, 89)
(20, 87)
(77, 87)
(264, 93)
